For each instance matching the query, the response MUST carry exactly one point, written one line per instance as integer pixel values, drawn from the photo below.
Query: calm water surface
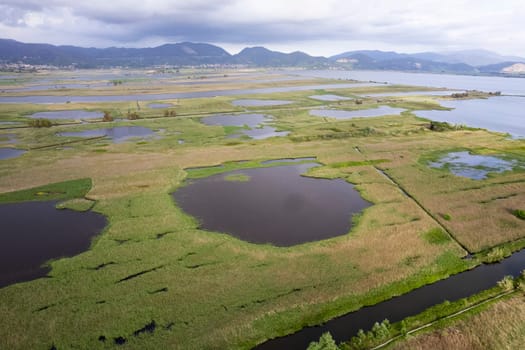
(277, 205)
(117, 134)
(77, 114)
(502, 113)
(340, 114)
(35, 232)
(473, 166)
(7, 153)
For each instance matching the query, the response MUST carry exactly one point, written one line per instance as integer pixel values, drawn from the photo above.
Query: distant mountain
(260, 56)
(476, 58)
(379, 60)
(172, 54)
(466, 62)
(196, 54)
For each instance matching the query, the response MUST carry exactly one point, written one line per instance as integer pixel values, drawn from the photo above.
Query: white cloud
(317, 27)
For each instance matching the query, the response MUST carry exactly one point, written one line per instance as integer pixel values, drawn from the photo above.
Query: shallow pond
(35, 232)
(272, 205)
(254, 124)
(473, 166)
(502, 114)
(8, 138)
(117, 134)
(78, 114)
(194, 94)
(6, 153)
(160, 105)
(260, 103)
(339, 114)
(329, 97)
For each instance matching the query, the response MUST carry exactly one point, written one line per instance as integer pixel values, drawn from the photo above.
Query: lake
(508, 86)
(501, 113)
(117, 134)
(35, 232)
(340, 114)
(7, 153)
(274, 205)
(74, 114)
(253, 123)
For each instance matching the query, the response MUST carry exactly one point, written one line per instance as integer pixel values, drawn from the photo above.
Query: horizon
(317, 29)
(237, 51)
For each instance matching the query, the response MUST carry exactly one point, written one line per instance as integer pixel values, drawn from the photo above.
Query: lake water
(160, 105)
(508, 86)
(339, 114)
(35, 232)
(7, 153)
(8, 138)
(153, 97)
(329, 97)
(502, 113)
(117, 134)
(259, 103)
(473, 166)
(276, 205)
(255, 124)
(76, 115)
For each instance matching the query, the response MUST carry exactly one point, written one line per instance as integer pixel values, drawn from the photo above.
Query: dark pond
(502, 114)
(117, 134)
(409, 304)
(254, 103)
(35, 232)
(6, 153)
(160, 105)
(78, 114)
(254, 124)
(339, 114)
(473, 166)
(329, 97)
(153, 97)
(272, 205)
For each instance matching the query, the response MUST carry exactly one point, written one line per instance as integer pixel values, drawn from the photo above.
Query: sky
(317, 27)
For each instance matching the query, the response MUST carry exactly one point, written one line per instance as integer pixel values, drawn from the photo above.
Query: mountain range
(198, 54)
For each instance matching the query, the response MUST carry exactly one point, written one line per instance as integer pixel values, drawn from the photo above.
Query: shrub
(107, 117)
(168, 113)
(326, 342)
(40, 123)
(507, 283)
(133, 116)
(519, 213)
(446, 217)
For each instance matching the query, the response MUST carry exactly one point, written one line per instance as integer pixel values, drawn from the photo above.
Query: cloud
(381, 23)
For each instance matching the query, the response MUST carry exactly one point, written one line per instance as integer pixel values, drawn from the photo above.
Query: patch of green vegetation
(446, 217)
(237, 178)
(56, 191)
(77, 204)
(357, 163)
(519, 213)
(40, 123)
(436, 236)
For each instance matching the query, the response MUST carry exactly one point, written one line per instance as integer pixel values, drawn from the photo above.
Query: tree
(326, 342)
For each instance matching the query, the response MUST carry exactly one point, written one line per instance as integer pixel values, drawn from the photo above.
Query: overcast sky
(317, 27)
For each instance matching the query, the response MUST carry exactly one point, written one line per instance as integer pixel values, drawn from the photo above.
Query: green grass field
(152, 265)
